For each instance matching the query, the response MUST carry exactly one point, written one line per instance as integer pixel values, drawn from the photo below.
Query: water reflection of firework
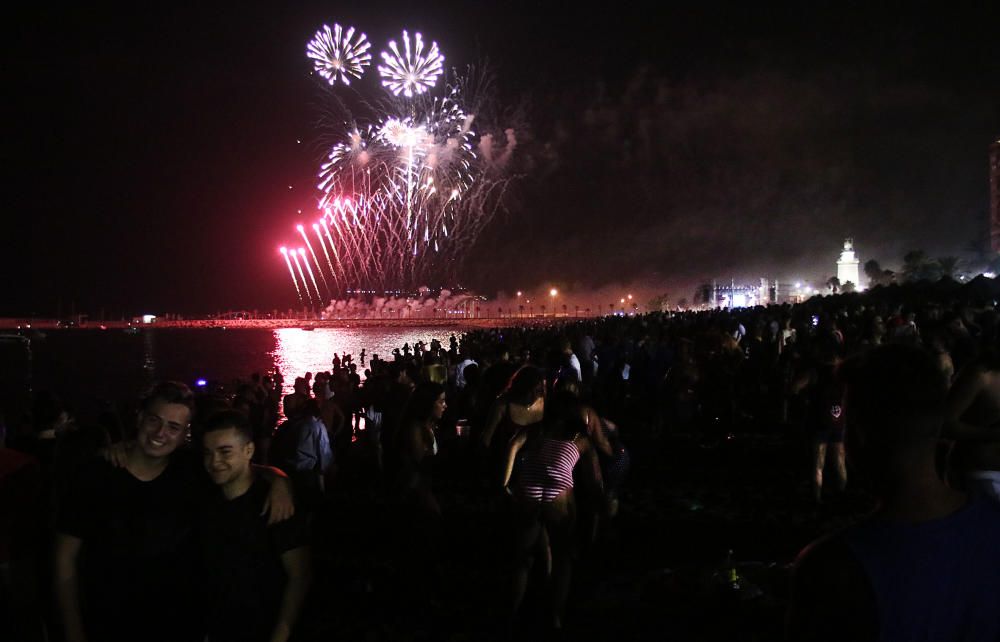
(409, 185)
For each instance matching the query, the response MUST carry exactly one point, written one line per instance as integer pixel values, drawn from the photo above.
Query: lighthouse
(847, 265)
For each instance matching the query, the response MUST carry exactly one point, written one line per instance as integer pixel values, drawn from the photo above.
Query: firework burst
(407, 185)
(338, 55)
(411, 71)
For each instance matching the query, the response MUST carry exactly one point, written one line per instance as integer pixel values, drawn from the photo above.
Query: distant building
(847, 265)
(995, 196)
(736, 295)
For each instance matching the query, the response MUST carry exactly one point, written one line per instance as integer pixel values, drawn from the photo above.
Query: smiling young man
(125, 539)
(256, 575)
(125, 545)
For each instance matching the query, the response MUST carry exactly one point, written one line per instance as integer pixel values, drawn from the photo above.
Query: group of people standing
(198, 521)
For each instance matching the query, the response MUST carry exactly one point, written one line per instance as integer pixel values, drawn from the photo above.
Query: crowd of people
(209, 516)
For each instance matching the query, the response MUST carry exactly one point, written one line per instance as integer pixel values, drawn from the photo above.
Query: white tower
(847, 266)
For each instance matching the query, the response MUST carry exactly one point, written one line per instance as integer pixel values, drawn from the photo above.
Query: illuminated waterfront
(113, 365)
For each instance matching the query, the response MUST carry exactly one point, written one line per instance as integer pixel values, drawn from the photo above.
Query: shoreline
(20, 324)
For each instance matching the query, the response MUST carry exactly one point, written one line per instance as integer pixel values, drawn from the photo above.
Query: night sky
(150, 154)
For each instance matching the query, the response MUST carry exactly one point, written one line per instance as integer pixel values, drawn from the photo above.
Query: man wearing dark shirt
(926, 564)
(256, 576)
(124, 551)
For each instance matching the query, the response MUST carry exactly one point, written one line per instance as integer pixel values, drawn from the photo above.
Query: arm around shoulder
(280, 502)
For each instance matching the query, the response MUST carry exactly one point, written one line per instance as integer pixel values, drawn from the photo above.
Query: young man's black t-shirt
(138, 562)
(241, 556)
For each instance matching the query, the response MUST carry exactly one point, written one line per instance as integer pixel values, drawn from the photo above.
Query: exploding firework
(322, 277)
(338, 55)
(404, 197)
(407, 185)
(302, 277)
(305, 261)
(291, 270)
(412, 71)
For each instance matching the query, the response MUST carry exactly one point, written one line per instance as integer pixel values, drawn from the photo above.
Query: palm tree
(874, 272)
(918, 267)
(913, 262)
(660, 302)
(949, 265)
(833, 283)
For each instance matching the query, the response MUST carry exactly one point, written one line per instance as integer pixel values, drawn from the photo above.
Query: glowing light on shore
(411, 71)
(338, 55)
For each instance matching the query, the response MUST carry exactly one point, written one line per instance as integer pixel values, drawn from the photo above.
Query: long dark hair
(523, 384)
(420, 407)
(563, 416)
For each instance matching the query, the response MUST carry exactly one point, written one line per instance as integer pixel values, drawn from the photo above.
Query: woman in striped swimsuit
(542, 486)
(520, 406)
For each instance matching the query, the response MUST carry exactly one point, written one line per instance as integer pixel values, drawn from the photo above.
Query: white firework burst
(405, 191)
(412, 71)
(338, 55)
(404, 133)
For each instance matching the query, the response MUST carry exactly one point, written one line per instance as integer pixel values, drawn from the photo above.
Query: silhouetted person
(926, 564)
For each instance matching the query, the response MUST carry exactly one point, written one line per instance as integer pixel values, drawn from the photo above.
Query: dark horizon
(154, 152)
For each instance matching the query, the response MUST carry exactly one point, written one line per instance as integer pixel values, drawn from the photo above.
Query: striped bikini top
(546, 470)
